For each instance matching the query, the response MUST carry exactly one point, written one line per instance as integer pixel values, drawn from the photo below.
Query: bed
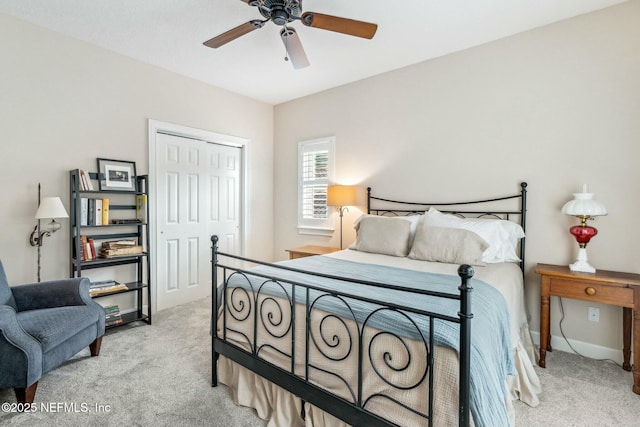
(420, 322)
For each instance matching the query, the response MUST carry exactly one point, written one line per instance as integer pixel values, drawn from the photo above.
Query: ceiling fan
(282, 12)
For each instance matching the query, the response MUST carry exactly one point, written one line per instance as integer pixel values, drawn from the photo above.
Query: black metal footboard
(257, 320)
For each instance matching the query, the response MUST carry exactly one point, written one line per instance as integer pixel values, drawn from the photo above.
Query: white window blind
(315, 172)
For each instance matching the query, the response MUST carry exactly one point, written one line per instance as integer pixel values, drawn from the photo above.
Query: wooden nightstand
(310, 250)
(605, 287)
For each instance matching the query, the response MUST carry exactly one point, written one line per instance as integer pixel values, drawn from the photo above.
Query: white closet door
(198, 194)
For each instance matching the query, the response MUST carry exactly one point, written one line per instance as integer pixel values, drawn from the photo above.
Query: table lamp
(584, 207)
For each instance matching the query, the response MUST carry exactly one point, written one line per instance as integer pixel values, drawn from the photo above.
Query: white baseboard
(592, 351)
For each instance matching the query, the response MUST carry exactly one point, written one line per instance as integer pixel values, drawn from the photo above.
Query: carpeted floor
(160, 375)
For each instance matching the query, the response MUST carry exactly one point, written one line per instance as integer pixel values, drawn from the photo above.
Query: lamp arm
(36, 237)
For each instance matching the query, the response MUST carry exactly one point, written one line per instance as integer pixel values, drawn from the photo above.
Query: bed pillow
(502, 236)
(383, 235)
(510, 247)
(450, 245)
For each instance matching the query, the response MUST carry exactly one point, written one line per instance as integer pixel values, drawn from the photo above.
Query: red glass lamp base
(583, 234)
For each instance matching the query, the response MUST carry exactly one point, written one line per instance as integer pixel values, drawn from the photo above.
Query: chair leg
(94, 347)
(26, 395)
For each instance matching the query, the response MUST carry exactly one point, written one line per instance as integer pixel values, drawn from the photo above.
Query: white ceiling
(170, 33)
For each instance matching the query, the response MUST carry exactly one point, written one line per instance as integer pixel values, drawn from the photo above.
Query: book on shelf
(76, 255)
(83, 247)
(94, 211)
(91, 212)
(126, 221)
(105, 287)
(113, 322)
(98, 212)
(84, 211)
(92, 248)
(123, 243)
(87, 249)
(85, 180)
(114, 252)
(141, 208)
(105, 211)
(112, 315)
(102, 283)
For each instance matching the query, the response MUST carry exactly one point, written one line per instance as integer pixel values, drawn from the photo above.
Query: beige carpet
(160, 375)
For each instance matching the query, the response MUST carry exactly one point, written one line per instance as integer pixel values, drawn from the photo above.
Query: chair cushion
(53, 326)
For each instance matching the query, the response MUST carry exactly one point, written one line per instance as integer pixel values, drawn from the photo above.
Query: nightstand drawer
(579, 289)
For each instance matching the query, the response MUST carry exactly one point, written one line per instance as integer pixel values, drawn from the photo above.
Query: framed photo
(116, 175)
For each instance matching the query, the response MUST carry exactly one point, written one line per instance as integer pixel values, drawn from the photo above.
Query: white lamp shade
(341, 195)
(584, 205)
(51, 207)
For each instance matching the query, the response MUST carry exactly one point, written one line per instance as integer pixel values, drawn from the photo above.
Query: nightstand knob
(590, 291)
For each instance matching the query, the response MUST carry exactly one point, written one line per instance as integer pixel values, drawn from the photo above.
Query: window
(315, 172)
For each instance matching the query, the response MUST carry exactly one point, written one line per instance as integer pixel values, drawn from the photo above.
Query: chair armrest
(21, 353)
(53, 293)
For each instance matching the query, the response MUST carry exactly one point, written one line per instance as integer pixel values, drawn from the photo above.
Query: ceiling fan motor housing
(280, 12)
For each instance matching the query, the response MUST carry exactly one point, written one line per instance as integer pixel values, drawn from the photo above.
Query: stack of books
(105, 287)
(94, 211)
(112, 315)
(119, 248)
(85, 181)
(87, 249)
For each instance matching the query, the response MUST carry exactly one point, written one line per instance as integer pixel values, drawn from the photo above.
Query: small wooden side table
(605, 287)
(310, 250)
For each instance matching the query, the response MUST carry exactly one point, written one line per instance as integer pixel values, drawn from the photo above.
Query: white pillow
(450, 245)
(502, 236)
(510, 247)
(383, 235)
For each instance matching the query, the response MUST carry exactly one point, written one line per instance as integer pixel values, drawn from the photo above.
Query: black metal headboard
(497, 207)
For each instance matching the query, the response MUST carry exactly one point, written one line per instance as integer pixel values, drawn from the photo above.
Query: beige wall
(63, 103)
(557, 107)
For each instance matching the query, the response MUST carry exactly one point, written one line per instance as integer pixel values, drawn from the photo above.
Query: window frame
(315, 226)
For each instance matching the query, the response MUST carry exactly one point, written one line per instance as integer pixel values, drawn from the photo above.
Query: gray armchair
(42, 325)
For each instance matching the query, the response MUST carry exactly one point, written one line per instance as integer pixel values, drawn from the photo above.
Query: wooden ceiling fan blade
(340, 25)
(294, 48)
(233, 34)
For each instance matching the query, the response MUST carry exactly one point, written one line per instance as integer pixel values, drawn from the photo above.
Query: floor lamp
(341, 196)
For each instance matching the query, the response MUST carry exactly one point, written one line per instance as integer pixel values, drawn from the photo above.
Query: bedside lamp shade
(341, 196)
(584, 207)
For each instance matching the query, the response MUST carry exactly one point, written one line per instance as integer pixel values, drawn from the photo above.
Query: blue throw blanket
(491, 356)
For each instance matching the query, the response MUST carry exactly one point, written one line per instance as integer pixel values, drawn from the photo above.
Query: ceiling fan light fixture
(280, 17)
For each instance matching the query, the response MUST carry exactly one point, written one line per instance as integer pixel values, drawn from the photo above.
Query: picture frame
(116, 175)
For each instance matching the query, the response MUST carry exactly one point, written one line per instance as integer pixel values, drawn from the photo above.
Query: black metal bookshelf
(138, 231)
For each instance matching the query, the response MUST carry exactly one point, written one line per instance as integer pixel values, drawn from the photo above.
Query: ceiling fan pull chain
(286, 45)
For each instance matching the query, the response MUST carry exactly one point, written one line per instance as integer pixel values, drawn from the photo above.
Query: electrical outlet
(594, 314)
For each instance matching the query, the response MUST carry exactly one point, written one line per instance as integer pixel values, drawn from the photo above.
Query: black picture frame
(116, 175)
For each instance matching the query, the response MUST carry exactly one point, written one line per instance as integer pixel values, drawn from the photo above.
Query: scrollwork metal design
(397, 358)
(271, 311)
(336, 336)
(239, 301)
